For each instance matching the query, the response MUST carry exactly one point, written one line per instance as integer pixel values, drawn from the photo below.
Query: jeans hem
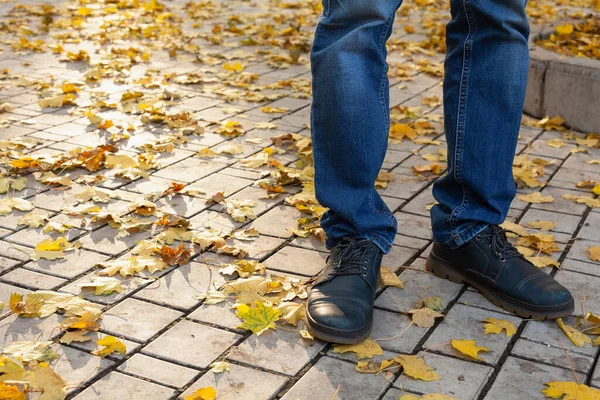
(376, 238)
(458, 239)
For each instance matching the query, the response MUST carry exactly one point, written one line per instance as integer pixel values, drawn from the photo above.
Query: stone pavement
(171, 336)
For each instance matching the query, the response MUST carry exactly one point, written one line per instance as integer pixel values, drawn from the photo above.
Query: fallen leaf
(579, 339)
(205, 393)
(368, 367)
(417, 368)
(103, 286)
(425, 317)
(468, 348)
(111, 345)
(219, 366)
(542, 225)
(496, 326)
(11, 392)
(365, 349)
(433, 302)
(28, 351)
(535, 198)
(258, 318)
(430, 396)
(570, 391)
(41, 376)
(594, 253)
(389, 278)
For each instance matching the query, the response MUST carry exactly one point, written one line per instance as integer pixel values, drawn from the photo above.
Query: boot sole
(446, 271)
(333, 336)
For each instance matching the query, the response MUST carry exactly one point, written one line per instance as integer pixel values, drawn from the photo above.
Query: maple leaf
(542, 225)
(28, 351)
(7, 204)
(33, 219)
(178, 256)
(7, 184)
(543, 242)
(468, 348)
(389, 278)
(417, 368)
(11, 392)
(51, 250)
(205, 393)
(365, 349)
(75, 336)
(496, 326)
(292, 312)
(535, 198)
(594, 253)
(588, 201)
(425, 317)
(433, 302)
(219, 366)
(103, 286)
(211, 297)
(259, 318)
(43, 377)
(570, 391)
(111, 345)
(579, 339)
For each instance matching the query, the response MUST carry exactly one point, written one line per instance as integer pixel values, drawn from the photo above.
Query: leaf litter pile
(139, 119)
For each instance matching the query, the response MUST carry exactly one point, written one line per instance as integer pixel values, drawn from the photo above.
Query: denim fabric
(484, 88)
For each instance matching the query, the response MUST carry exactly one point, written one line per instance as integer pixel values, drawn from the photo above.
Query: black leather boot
(339, 308)
(492, 265)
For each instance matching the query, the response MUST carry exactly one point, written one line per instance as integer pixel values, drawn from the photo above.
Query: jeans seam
(460, 120)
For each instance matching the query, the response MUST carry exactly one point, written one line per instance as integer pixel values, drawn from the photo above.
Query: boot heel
(442, 271)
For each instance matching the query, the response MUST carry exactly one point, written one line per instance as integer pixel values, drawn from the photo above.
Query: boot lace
(352, 258)
(499, 243)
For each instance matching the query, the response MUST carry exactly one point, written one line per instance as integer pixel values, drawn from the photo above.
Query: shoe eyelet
(502, 259)
(366, 260)
(364, 267)
(489, 246)
(478, 237)
(364, 274)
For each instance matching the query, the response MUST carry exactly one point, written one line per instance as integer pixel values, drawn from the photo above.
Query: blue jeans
(486, 68)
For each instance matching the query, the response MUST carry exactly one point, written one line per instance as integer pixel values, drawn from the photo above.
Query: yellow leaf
(28, 351)
(389, 278)
(425, 317)
(75, 336)
(219, 366)
(588, 201)
(594, 253)
(7, 204)
(365, 349)
(258, 318)
(7, 184)
(556, 143)
(368, 367)
(10, 392)
(415, 367)
(516, 228)
(579, 339)
(496, 326)
(535, 198)
(236, 66)
(103, 285)
(570, 391)
(468, 348)
(542, 225)
(111, 345)
(292, 312)
(206, 393)
(565, 29)
(43, 377)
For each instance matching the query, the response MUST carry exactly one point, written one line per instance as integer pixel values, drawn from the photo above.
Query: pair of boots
(340, 303)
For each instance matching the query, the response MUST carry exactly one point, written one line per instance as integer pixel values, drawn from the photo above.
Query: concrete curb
(565, 86)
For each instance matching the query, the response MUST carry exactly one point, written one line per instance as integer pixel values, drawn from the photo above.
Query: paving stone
(259, 248)
(7, 263)
(547, 354)
(591, 227)
(568, 178)
(464, 322)
(310, 243)
(398, 256)
(190, 170)
(579, 251)
(549, 333)
(79, 367)
(417, 285)
(387, 325)
(32, 279)
(461, 379)
(581, 286)
(241, 383)
(565, 223)
(192, 344)
(521, 379)
(159, 371)
(178, 288)
(473, 298)
(137, 319)
(328, 374)
(418, 205)
(580, 266)
(214, 220)
(279, 221)
(16, 329)
(297, 261)
(105, 240)
(221, 315)
(559, 204)
(414, 225)
(75, 263)
(127, 284)
(281, 351)
(91, 345)
(412, 242)
(120, 386)
(255, 194)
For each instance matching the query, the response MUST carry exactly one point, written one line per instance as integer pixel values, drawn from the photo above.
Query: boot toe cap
(350, 315)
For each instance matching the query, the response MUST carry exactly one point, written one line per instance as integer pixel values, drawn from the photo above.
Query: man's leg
(484, 88)
(350, 117)
(350, 125)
